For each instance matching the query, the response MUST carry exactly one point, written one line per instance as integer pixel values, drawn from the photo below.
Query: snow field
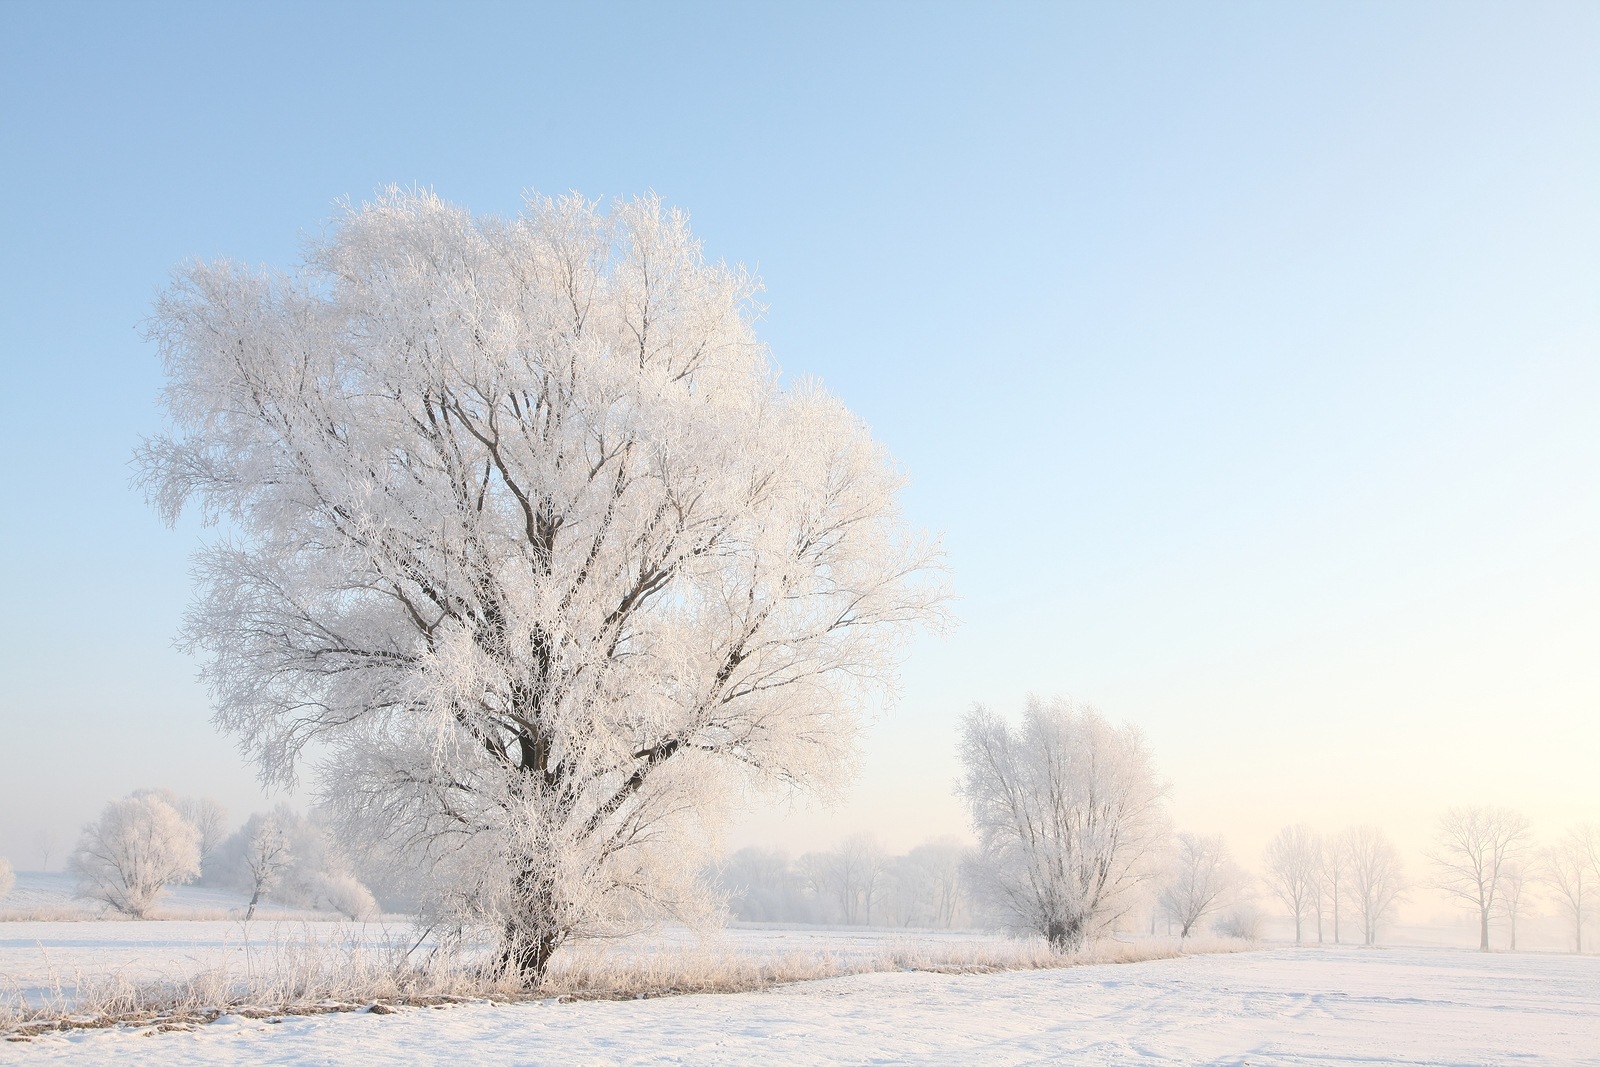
(1280, 1006)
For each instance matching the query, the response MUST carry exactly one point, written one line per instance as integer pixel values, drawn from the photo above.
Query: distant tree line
(856, 883)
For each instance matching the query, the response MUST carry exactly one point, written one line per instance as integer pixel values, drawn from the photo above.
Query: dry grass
(304, 976)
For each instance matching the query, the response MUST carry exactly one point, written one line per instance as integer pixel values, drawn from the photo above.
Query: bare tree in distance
(45, 841)
(1294, 872)
(1472, 847)
(1512, 899)
(927, 884)
(1377, 877)
(1570, 875)
(1069, 815)
(851, 876)
(1203, 880)
(210, 818)
(1335, 865)
(531, 541)
(137, 847)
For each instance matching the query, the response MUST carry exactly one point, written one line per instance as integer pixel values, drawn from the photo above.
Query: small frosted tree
(138, 847)
(1202, 881)
(1294, 872)
(1473, 846)
(1377, 877)
(7, 877)
(527, 536)
(264, 857)
(1069, 816)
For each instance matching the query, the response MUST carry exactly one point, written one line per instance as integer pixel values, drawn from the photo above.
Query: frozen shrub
(1243, 922)
(347, 896)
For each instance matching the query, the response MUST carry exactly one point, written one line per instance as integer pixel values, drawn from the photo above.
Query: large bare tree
(1069, 814)
(525, 535)
(1473, 846)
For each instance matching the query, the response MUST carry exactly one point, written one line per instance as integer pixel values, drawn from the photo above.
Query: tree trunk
(1064, 935)
(532, 930)
(1483, 929)
(1297, 928)
(250, 912)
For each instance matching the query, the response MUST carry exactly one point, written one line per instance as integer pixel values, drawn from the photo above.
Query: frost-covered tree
(1376, 875)
(8, 878)
(1570, 876)
(1472, 847)
(1203, 880)
(138, 847)
(527, 537)
(1069, 816)
(207, 815)
(1294, 871)
(263, 857)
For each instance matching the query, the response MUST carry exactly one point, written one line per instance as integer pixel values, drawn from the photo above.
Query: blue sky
(1247, 355)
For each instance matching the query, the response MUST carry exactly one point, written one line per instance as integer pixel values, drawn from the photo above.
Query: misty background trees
(855, 883)
(292, 860)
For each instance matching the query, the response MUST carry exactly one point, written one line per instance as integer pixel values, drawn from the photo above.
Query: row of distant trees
(153, 839)
(1484, 857)
(858, 882)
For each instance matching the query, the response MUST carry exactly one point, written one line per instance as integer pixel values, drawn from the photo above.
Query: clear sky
(1247, 355)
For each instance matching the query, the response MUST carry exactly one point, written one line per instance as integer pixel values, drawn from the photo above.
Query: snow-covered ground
(53, 895)
(1279, 1006)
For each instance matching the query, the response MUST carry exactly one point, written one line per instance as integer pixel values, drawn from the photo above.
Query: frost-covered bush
(283, 856)
(137, 847)
(7, 879)
(345, 894)
(1244, 922)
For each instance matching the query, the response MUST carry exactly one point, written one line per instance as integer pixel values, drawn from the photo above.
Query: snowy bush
(136, 848)
(345, 894)
(1244, 922)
